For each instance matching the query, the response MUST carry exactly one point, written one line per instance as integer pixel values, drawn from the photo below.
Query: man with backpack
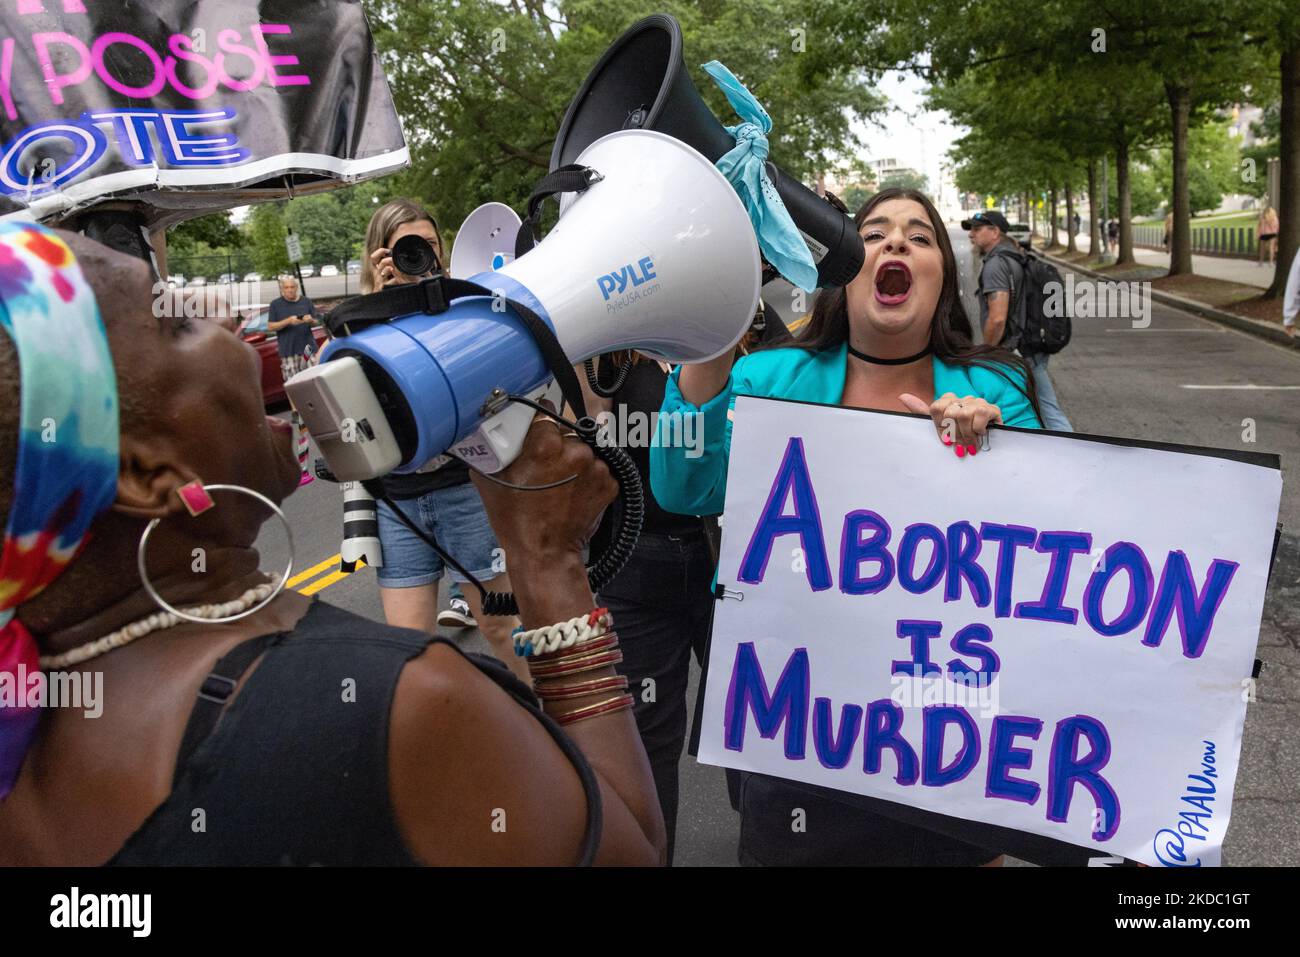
(1011, 298)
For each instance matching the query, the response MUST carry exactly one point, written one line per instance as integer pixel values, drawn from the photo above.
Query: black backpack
(1042, 333)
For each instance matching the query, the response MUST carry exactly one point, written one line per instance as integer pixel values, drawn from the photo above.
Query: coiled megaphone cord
(593, 379)
(629, 514)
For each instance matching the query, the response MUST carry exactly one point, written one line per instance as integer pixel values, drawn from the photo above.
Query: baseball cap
(987, 217)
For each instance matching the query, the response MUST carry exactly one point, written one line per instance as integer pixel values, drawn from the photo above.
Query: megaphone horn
(657, 255)
(485, 241)
(641, 82)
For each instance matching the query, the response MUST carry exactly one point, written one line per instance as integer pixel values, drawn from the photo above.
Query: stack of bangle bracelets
(583, 644)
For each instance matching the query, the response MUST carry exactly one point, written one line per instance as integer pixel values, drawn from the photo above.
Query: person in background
(1000, 292)
(662, 599)
(1112, 235)
(1291, 301)
(440, 498)
(1169, 228)
(291, 317)
(1267, 228)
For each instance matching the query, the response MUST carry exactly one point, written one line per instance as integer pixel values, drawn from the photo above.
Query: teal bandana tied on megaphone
(744, 167)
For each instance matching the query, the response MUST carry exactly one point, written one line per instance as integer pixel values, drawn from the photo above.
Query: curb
(1254, 327)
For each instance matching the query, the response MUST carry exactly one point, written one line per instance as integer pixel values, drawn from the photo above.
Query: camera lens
(414, 256)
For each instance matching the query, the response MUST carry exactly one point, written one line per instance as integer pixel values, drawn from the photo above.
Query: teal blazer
(692, 481)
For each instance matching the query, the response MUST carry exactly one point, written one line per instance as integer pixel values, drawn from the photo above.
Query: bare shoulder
(474, 778)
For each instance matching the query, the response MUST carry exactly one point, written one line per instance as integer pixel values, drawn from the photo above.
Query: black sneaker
(457, 615)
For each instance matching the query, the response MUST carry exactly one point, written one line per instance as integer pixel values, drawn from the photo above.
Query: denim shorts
(454, 517)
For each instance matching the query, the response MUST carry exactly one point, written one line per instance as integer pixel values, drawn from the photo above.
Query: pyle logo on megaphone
(634, 274)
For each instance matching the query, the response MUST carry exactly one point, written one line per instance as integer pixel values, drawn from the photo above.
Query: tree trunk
(1288, 210)
(1051, 215)
(1180, 243)
(1070, 244)
(1094, 211)
(1125, 204)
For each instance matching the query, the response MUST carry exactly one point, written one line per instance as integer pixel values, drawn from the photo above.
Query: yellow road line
(313, 571)
(321, 584)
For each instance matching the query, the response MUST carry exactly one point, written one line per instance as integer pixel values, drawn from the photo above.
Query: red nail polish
(961, 451)
(971, 449)
(947, 439)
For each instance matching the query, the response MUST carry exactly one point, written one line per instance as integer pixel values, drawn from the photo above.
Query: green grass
(1248, 218)
(1202, 227)
(1241, 218)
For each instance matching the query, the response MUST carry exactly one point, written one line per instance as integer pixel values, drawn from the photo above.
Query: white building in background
(885, 168)
(946, 196)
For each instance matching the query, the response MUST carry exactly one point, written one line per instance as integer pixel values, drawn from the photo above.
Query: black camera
(414, 256)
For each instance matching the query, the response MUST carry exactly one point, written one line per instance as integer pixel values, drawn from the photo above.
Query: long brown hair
(383, 224)
(950, 330)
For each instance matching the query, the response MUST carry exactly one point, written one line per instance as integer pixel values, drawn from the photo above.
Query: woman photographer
(894, 338)
(165, 453)
(440, 500)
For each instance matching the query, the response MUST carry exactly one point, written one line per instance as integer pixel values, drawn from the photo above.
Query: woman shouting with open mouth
(896, 338)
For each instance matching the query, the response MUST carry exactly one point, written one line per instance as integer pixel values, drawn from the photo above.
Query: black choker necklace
(890, 362)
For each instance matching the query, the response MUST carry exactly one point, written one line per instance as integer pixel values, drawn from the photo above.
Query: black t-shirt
(636, 410)
(455, 472)
(294, 340)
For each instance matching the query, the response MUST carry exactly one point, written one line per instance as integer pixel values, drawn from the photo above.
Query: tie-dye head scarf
(66, 472)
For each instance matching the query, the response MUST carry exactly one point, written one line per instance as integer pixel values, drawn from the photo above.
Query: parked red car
(254, 333)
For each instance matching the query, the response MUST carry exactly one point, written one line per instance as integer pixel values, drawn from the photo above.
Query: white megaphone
(485, 241)
(657, 255)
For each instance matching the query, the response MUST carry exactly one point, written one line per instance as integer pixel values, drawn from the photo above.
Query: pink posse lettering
(242, 61)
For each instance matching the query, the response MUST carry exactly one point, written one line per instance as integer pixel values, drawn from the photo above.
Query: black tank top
(296, 772)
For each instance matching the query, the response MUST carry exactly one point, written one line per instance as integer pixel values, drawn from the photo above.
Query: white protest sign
(1054, 635)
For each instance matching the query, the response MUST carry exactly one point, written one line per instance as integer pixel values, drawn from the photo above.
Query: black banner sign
(186, 106)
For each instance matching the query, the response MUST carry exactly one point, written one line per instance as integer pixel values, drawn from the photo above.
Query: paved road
(1112, 380)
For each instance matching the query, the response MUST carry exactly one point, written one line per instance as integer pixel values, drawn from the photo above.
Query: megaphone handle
(566, 179)
(628, 517)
